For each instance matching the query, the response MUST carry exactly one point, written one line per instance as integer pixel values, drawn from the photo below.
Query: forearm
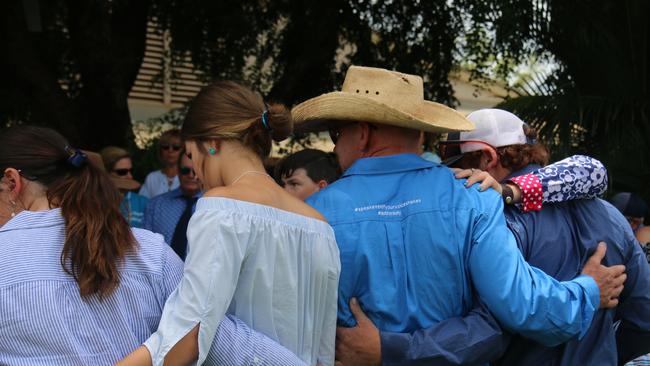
(524, 299)
(139, 357)
(237, 344)
(476, 338)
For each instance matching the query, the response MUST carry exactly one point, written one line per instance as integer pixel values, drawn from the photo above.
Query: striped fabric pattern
(641, 361)
(44, 321)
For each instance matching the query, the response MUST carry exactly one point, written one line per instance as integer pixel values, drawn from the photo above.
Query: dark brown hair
(169, 135)
(513, 157)
(97, 237)
(228, 110)
(318, 165)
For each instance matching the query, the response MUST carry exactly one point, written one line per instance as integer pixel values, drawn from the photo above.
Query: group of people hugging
(380, 255)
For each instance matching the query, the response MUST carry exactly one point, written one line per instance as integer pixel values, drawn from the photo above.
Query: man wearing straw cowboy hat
(415, 244)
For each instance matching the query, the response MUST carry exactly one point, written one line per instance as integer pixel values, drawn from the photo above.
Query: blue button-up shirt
(164, 211)
(414, 242)
(559, 240)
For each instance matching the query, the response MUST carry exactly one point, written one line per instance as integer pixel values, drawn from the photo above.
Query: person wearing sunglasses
(166, 179)
(119, 166)
(169, 213)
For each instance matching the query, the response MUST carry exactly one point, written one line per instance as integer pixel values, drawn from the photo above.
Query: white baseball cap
(494, 127)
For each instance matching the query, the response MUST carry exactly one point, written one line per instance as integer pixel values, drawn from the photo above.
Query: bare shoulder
(268, 195)
(226, 192)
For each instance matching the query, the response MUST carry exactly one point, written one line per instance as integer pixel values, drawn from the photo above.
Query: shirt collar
(523, 171)
(33, 219)
(388, 164)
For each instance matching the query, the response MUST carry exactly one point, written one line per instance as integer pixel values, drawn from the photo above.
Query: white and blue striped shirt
(44, 320)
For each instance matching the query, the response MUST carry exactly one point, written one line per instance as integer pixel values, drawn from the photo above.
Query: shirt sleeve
(209, 280)
(237, 344)
(576, 177)
(524, 299)
(473, 339)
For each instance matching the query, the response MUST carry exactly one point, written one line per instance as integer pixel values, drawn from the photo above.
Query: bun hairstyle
(97, 237)
(228, 110)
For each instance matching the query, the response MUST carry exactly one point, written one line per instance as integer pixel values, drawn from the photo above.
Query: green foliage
(596, 101)
(74, 70)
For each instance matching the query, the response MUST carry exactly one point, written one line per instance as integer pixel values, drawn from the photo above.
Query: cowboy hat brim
(318, 113)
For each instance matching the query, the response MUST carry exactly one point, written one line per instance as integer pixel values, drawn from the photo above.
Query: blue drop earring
(212, 151)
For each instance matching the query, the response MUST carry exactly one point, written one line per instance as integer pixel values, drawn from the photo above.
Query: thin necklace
(246, 173)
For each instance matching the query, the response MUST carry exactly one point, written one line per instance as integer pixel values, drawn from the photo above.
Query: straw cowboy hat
(378, 96)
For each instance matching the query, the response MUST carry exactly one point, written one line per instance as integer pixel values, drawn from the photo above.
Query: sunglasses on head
(170, 146)
(186, 171)
(122, 172)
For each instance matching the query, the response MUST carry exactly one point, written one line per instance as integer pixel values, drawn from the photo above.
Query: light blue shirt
(414, 242)
(273, 269)
(163, 212)
(133, 208)
(44, 320)
(157, 183)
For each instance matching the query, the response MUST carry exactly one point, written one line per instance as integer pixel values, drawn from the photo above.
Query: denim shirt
(415, 243)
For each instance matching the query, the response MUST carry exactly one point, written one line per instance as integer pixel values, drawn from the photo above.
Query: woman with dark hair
(255, 251)
(119, 166)
(78, 286)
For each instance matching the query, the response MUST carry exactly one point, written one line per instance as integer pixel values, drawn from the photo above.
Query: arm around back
(524, 299)
(475, 338)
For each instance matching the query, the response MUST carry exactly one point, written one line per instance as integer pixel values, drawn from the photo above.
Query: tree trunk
(108, 41)
(98, 47)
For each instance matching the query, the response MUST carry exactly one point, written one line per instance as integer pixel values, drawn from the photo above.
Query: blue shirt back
(413, 241)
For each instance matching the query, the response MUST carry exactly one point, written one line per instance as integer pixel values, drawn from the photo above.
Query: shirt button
(256, 360)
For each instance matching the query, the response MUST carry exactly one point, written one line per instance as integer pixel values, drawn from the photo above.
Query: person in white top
(166, 179)
(255, 251)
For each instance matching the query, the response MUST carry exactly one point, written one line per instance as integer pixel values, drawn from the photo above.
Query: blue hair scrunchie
(265, 119)
(77, 158)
